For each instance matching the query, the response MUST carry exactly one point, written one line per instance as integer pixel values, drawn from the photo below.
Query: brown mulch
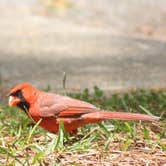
(136, 157)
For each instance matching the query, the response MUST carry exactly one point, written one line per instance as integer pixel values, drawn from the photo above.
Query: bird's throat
(24, 106)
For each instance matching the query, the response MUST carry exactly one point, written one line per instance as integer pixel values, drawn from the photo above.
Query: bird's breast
(49, 124)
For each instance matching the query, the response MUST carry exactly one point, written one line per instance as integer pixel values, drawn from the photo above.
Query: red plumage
(53, 108)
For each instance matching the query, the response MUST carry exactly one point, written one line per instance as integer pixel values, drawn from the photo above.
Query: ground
(107, 143)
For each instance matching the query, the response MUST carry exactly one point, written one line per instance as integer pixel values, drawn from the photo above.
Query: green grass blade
(127, 144)
(145, 110)
(8, 153)
(104, 129)
(32, 130)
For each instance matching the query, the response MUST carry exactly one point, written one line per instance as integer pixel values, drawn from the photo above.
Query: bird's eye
(16, 94)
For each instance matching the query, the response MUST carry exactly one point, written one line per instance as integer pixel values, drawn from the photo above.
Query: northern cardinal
(53, 108)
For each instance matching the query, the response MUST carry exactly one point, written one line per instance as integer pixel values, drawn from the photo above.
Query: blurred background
(116, 45)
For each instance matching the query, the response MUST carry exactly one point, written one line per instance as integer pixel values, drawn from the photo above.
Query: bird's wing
(61, 106)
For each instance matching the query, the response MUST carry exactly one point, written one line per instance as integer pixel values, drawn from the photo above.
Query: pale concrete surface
(94, 47)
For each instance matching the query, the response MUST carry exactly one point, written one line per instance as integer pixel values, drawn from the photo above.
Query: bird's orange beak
(13, 101)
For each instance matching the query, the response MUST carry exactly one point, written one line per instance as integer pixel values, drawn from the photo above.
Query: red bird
(53, 108)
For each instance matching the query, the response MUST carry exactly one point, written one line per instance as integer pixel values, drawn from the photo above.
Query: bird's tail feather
(103, 115)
